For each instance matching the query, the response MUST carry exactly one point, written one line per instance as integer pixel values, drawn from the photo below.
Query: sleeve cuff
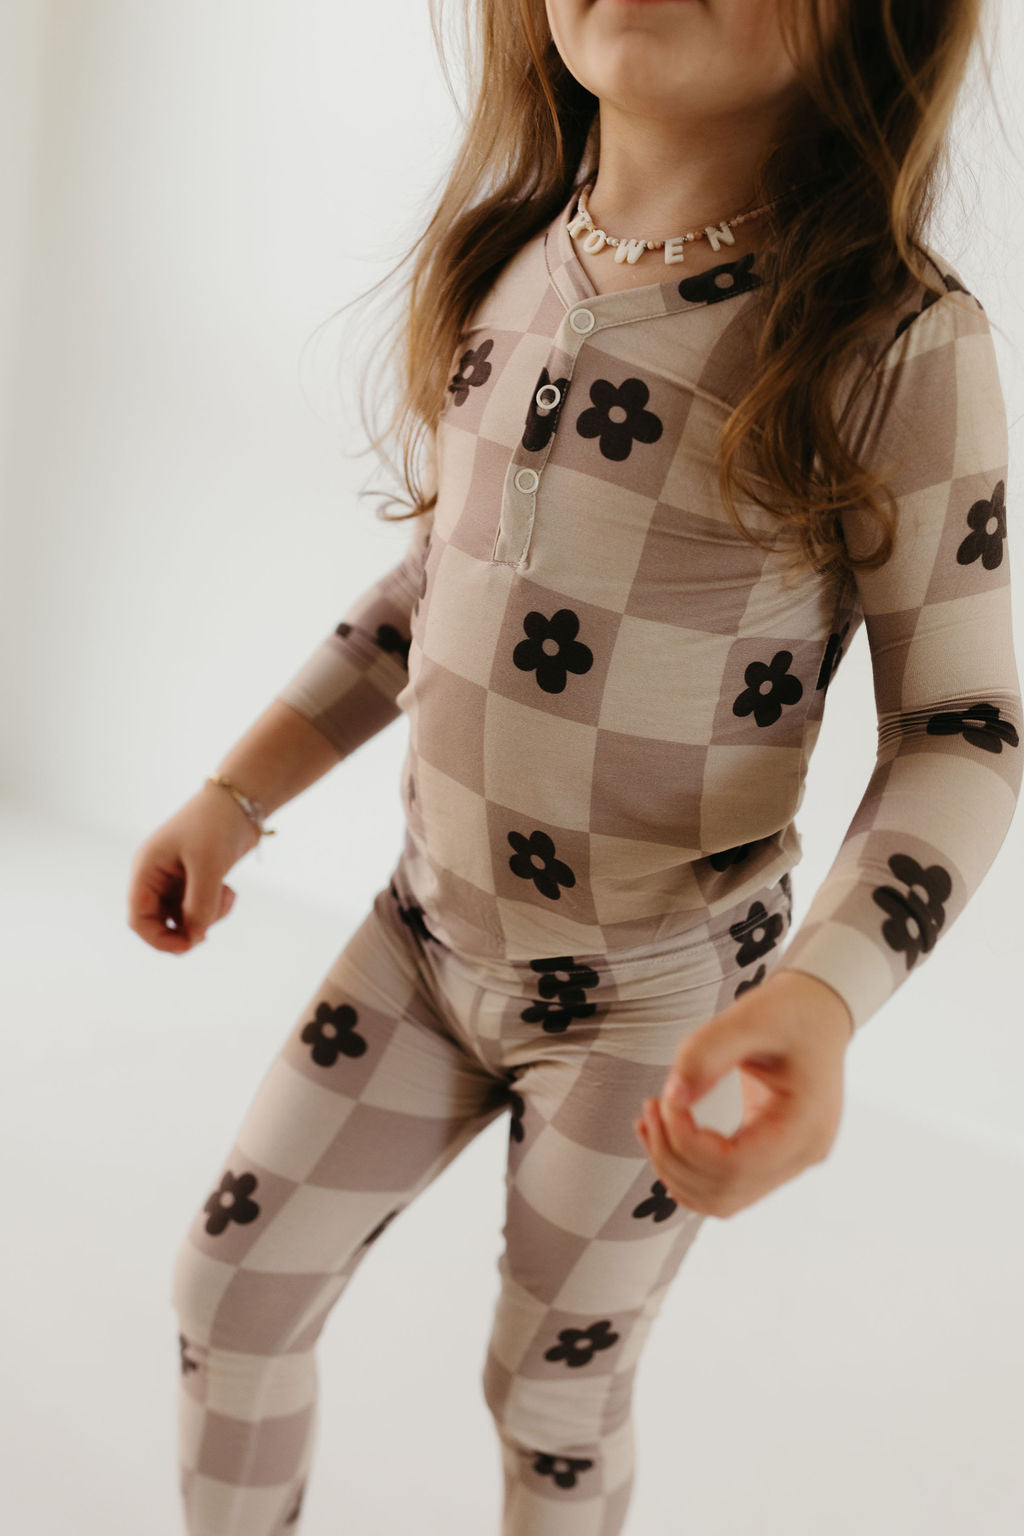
(846, 960)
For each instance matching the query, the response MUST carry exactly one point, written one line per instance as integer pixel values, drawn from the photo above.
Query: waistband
(733, 938)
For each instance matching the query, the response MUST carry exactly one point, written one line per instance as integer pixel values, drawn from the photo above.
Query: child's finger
(694, 1182)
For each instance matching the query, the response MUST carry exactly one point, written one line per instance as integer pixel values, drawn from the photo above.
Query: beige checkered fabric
(613, 697)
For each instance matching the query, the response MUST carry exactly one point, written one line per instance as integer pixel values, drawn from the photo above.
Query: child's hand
(177, 885)
(788, 1038)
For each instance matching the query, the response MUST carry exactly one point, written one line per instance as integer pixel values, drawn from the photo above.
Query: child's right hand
(176, 889)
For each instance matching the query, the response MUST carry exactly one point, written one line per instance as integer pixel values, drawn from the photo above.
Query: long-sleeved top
(613, 697)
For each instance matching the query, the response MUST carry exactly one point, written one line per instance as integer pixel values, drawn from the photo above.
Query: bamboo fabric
(613, 696)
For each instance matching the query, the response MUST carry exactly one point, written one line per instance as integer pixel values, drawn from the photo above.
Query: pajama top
(613, 696)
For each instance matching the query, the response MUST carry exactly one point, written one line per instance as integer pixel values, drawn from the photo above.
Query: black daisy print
(518, 1110)
(982, 543)
(979, 724)
(952, 285)
(387, 637)
(562, 1470)
(908, 320)
(296, 1508)
(563, 979)
(955, 286)
(474, 370)
(617, 417)
(751, 981)
(422, 591)
(379, 1228)
(331, 1032)
(394, 642)
(579, 1345)
(832, 657)
(412, 915)
(783, 688)
(721, 282)
(186, 1361)
(915, 915)
(756, 933)
(726, 857)
(570, 655)
(230, 1202)
(539, 428)
(551, 875)
(659, 1204)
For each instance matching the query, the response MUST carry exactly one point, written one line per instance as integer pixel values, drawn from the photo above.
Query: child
(613, 693)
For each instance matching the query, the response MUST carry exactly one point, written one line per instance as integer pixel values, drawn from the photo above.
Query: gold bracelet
(252, 808)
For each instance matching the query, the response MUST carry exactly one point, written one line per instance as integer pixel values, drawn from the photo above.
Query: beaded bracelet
(252, 808)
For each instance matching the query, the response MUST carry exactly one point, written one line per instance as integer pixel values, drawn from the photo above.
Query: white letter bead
(675, 249)
(595, 241)
(630, 250)
(719, 236)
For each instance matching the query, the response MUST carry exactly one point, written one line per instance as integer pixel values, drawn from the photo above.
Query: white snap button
(582, 320)
(547, 397)
(527, 479)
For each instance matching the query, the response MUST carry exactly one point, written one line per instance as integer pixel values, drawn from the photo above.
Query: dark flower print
(518, 1110)
(979, 724)
(914, 921)
(331, 1032)
(721, 282)
(230, 1202)
(751, 981)
(422, 590)
(952, 284)
(412, 915)
(392, 640)
(784, 688)
(579, 1345)
(659, 1204)
(728, 856)
(387, 637)
(296, 1508)
(187, 1363)
(379, 1228)
(756, 933)
(617, 437)
(540, 428)
(539, 846)
(567, 988)
(474, 370)
(908, 319)
(561, 1469)
(982, 541)
(832, 657)
(571, 654)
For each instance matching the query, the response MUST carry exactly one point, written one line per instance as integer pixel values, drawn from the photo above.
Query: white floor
(844, 1358)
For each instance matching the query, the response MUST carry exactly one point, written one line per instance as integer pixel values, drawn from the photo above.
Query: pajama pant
(403, 1054)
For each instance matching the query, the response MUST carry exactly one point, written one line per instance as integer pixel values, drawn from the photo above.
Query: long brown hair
(870, 146)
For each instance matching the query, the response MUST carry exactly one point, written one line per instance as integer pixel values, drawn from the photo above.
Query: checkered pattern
(613, 696)
(403, 1054)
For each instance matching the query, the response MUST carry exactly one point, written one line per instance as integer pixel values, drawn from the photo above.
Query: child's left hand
(788, 1038)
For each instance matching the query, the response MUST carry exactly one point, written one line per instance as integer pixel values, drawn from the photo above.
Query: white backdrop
(189, 190)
